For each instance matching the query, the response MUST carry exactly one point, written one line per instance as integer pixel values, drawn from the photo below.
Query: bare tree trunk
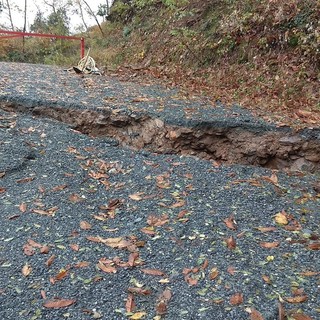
(81, 14)
(94, 16)
(25, 23)
(9, 13)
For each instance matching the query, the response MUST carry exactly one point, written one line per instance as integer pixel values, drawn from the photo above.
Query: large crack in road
(276, 148)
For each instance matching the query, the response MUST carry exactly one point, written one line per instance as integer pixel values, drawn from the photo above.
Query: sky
(32, 9)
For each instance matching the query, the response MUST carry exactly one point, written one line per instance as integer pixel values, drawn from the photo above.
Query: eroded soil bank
(275, 148)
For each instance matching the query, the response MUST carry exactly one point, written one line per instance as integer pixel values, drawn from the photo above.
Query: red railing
(14, 34)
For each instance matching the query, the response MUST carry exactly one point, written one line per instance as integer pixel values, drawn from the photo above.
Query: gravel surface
(85, 220)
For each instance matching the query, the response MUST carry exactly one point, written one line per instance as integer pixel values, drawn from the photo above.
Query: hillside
(262, 54)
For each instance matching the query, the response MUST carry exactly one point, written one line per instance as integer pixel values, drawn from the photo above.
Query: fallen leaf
(270, 245)
(24, 180)
(28, 250)
(230, 223)
(74, 247)
(236, 298)
(59, 188)
(231, 243)
(23, 207)
(136, 196)
(266, 279)
(309, 273)
(266, 229)
(82, 264)
(130, 304)
(75, 198)
(138, 315)
(2, 190)
(140, 291)
(59, 303)
(62, 274)
(43, 295)
(44, 249)
(314, 245)
(106, 268)
(255, 315)
(42, 212)
(161, 308)
(213, 273)
(26, 270)
(153, 272)
(296, 299)
(84, 225)
(281, 218)
(281, 312)
(300, 316)
(191, 281)
(2, 174)
(50, 260)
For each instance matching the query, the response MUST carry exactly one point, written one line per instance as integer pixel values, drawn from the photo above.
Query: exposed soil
(276, 149)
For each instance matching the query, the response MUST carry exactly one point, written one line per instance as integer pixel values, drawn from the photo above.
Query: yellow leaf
(281, 218)
(138, 315)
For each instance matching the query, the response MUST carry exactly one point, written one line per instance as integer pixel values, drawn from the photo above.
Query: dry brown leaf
(236, 298)
(314, 245)
(136, 196)
(309, 273)
(191, 281)
(296, 299)
(34, 244)
(2, 174)
(266, 229)
(59, 303)
(43, 295)
(153, 272)
(84, 225)
(82, 264)
(270, 245)
(300, 316)
(28, 250)
(140, 291)
(62, 274)
(130, 304)
(50, 260)
(75, 198)
(214, 272)
(74, 247)
(266, 279)
(26, 270)
(231, 243)
(44, 249)
(106, 268)
(281, 311)
(205, 264)
(255, 315)
(24, 180)
(132, 259)
(178, 204)
(59, 188)
(23, 207)
(42, 212)
(230, 223)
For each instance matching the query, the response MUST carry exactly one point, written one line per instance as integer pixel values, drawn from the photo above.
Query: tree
(90, 11)
(8, 7)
